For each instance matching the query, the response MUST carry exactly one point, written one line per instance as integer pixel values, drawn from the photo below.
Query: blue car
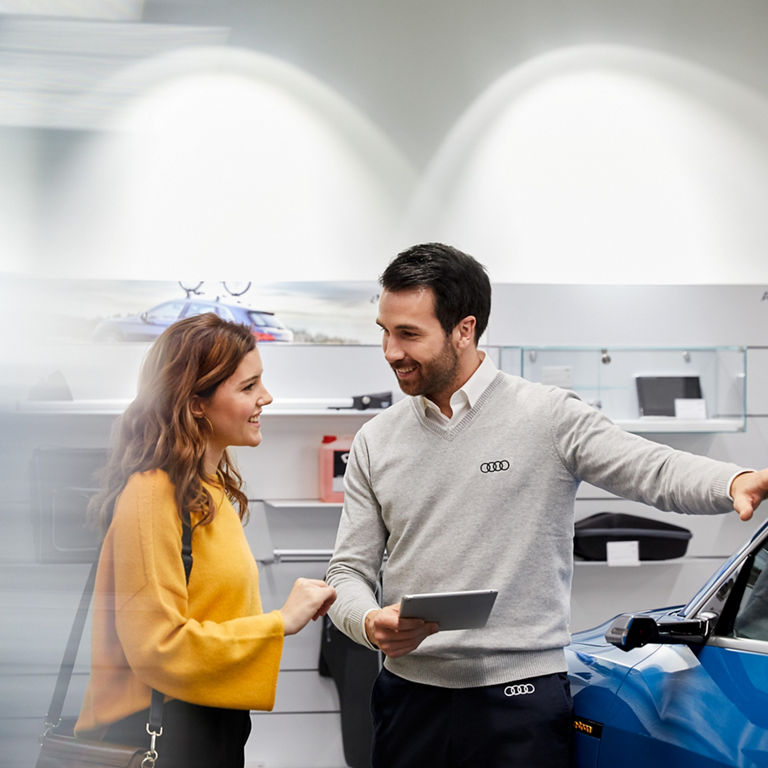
(683, 686)
(150, 324)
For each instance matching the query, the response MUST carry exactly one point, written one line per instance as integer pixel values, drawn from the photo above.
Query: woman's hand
(308, 599)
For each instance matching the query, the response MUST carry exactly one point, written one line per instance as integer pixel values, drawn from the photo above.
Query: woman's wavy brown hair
(158, 430)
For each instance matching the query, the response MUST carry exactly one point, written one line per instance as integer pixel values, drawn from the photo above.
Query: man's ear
(196, 407)
(465, 330)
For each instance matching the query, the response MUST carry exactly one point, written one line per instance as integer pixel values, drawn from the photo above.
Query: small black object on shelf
(376, 400)
(365, 402)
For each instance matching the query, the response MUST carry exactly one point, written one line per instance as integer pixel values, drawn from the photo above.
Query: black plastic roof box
(656, 540)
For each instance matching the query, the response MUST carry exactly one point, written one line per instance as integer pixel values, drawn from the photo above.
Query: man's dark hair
(460, 284)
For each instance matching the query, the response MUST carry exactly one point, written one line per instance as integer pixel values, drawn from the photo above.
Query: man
(415, 489)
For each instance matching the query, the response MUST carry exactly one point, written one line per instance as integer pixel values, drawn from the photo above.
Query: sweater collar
(464, 398)
(479, 381)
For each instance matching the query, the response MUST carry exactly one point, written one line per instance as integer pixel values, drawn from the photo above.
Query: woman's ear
(196, 407)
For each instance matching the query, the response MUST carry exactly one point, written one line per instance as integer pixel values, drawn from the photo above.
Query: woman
(205, 644)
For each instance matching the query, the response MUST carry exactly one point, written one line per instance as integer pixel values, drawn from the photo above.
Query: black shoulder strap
(70, 652)
(186, 543)
(76, 633)
(156, 706)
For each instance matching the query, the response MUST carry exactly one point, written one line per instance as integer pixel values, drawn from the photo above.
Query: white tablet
(451, 610)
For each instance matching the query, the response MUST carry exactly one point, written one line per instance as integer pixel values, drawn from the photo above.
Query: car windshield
(751, 619)
(695, 604)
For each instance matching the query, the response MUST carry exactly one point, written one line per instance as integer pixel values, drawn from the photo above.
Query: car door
(703, 705)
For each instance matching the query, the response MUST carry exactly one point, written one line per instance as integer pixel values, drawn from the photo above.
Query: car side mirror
(144, 317)
(634, 630)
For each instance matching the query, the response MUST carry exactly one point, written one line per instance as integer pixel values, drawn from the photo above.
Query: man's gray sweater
(420, 492)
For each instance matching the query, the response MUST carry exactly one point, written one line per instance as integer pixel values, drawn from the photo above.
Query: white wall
(609, 143)
(593, 164)
(605, 164)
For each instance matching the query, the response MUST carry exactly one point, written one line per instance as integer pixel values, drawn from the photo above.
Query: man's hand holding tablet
(396, 633)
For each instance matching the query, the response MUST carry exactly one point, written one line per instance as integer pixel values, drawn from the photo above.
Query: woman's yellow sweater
(207, 642)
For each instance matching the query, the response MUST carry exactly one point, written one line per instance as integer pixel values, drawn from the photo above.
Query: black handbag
(59, 747)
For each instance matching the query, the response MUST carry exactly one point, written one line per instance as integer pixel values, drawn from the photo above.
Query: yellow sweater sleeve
(207, 642)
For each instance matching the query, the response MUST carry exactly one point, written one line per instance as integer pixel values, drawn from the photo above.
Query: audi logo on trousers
(520, 689)
(495, 466)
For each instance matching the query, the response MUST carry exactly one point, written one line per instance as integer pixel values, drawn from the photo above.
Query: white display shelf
(674, 425)
(116, 407)
(300, 503)
(272, 412)
(85, 407)
(666, 563)
(299, 556)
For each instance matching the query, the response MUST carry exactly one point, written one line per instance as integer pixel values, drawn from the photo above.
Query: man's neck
(466, 370)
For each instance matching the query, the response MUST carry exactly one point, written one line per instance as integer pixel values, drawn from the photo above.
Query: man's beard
(435, 375)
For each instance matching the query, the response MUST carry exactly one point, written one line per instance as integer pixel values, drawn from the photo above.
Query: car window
(751, 620)
(262, 319)
(164, 313)
(197, 308)
(200, 308)
(224, 313)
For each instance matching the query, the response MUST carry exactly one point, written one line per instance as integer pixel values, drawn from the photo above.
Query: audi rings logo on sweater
(494, 466)
(520, 689)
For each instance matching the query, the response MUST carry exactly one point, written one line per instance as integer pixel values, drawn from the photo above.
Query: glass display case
(700, 389)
